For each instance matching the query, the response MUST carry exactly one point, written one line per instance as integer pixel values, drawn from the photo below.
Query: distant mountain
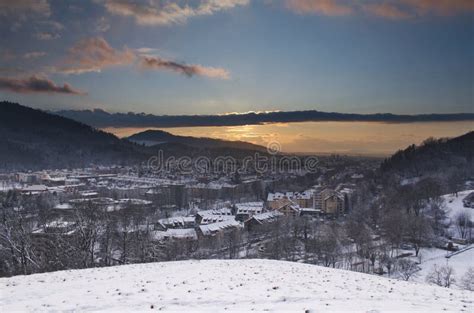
(158, 137)
(32, 139)
(434, 156)
(101, 118)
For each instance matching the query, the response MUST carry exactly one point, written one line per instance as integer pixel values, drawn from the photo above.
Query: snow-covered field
(224, 285)
(433, 256)
(454, 204)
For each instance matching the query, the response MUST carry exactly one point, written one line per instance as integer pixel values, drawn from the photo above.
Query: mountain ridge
(34, 139)
(101, 118)
(157, 137)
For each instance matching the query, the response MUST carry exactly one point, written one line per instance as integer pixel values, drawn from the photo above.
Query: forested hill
(434, 156)
(153, 137)
(32, 139)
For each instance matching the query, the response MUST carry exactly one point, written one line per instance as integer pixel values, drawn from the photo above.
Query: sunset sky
(217, 56)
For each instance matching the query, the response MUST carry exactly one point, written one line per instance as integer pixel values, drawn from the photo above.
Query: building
(213, 216)
(248, 209)
(174, 234)
(259, 221)
(289, 208)
(332, 202)
(219, 228)
(178, 222)
(302, 199)
(35, 189)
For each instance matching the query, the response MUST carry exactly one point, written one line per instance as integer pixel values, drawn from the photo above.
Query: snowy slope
(454, 204)
(433, 256)
(218, 285)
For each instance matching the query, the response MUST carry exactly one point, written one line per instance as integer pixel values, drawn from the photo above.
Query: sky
(220, 56)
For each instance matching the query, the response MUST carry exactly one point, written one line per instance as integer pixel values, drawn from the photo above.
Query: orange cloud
(324, 7)
(155, 12)
(94, 54)
(440, 7)
(36, 84)
(391, 9)
(148, 62)
(386, 10)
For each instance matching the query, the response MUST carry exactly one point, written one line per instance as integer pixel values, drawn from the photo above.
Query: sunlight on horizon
(353, 138)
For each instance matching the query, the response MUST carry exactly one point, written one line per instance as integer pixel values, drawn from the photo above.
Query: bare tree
(407, 269)
(463, 224)
(89, 226)
(387, 262)
(15, 237)
(441, 275)
(394, 226)
(467, 281)
(419, 232)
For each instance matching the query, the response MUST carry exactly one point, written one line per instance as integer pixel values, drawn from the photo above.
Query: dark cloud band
(36, 84)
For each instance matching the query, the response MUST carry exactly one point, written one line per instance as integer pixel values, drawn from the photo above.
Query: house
(176, 234)
(468, 201)
(178, 222)
(28, 178)
(309, 212)
(258, 221)
(289, 208)
(60, 227)
(246, 210)
(302, 199)
(213, 216)
(35, 189)
(274, 200)
(332, 202)
(222, 227)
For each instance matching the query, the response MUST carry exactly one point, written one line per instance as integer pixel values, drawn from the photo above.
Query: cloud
(391, 9)
(40, 7)
(94, 54)
(386, 10)
(36, 84)
(145, 50)
(47, 36)
(439, 7)
(102, 25)
(34, 54)
(6, 55)
(52, 25)
(155, 12)
(323, 7)
(158, 63)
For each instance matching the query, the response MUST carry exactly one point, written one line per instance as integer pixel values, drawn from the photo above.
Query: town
(112, 215)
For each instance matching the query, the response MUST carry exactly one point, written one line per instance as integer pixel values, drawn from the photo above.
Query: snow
(454, 204)
(224, 285)
(179, 233)
(267, 216)
(213, 228)
(460, 262)
(249, 207)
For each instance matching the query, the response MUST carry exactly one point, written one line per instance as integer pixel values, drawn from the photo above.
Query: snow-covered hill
(455, 206)
(223, 285)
